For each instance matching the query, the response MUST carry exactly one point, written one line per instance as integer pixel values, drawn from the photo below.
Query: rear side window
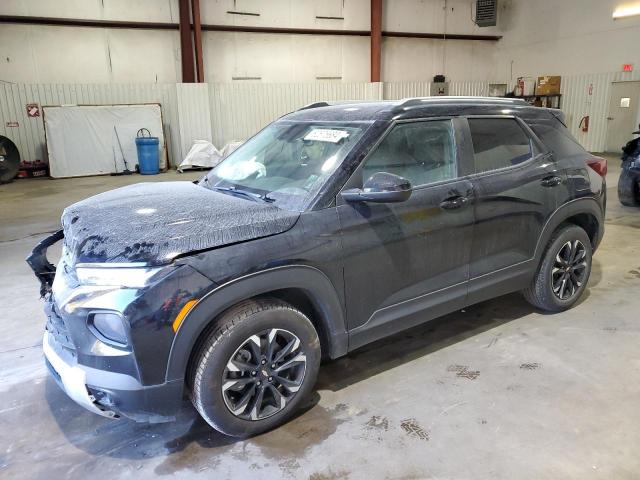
(558, 139)
(498, 143)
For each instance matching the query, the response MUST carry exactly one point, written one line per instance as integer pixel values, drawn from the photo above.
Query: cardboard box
(548, 85)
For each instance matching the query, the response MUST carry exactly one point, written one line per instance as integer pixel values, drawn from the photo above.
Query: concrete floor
(498, 391)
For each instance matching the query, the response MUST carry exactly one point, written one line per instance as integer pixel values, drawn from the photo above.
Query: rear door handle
(551, 181)
(451, 203)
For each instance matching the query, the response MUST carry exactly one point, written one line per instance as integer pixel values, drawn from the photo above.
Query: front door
(400, 258)
(623, 114)
(515, 186)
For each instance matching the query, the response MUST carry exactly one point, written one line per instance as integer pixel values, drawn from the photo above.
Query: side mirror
(381, 187)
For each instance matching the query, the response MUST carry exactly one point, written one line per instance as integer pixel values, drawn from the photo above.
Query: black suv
(333, 227)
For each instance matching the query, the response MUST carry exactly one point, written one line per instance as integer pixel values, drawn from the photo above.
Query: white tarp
(203, 154)
(81, 139)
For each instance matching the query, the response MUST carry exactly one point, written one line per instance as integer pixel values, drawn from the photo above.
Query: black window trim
(392, 125)
(544, 151)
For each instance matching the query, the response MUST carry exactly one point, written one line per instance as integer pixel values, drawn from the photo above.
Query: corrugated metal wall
(194, 115)
(29, 136)
(239, 110)
(226, 112)
(577, 102)
(398, 90)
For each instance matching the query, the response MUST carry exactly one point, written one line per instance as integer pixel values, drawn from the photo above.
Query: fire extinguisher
(584, 124)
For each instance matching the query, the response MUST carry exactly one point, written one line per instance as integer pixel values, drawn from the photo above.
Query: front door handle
(551, 181)
(451, 203)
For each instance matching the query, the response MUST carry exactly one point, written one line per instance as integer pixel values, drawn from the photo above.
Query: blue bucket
(148, 153)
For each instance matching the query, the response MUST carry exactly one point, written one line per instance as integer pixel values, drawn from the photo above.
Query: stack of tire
(9, 160)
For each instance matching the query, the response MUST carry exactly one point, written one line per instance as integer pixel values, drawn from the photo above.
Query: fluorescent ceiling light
(626, 11)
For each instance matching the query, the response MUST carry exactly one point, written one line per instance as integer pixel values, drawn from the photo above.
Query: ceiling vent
(486, 13)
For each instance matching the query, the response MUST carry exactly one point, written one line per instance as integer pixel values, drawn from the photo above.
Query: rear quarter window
(557, 138)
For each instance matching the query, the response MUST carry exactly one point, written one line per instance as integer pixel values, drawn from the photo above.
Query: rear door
(403, 258)
(514, 184)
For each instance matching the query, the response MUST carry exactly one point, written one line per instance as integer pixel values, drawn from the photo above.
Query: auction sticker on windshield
(326, 135)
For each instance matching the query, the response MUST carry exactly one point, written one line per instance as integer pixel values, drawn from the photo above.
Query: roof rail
(417, 101)
(314, 105)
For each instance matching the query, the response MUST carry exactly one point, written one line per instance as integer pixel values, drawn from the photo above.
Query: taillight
(599, 165)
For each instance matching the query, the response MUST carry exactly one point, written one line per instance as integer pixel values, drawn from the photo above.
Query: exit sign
(627, 67)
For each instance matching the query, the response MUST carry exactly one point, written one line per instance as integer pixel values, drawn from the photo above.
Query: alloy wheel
(569, 269)
(264, 374)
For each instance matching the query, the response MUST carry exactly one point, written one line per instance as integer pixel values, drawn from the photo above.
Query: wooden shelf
(541, 96)
(554, 100)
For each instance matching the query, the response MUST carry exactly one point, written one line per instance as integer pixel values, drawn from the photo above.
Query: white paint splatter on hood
(155, 222)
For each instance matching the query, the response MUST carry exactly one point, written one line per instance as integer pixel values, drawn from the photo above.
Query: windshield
(286, 163)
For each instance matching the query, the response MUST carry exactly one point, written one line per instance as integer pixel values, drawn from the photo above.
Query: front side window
(286, 163)
(421, 152)
(498, 143)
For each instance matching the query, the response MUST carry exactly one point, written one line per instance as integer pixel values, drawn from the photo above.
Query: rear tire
(628, 191)
(255, 367)
(564, 272)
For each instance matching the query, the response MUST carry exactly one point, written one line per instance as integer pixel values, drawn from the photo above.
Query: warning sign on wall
(33, 109)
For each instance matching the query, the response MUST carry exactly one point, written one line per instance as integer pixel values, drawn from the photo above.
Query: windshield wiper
(252, 196)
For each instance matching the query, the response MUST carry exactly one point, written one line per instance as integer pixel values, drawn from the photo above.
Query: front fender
(315, 283)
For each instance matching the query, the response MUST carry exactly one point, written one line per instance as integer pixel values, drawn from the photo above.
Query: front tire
(255, 367)
(564, 271)
(628, 191)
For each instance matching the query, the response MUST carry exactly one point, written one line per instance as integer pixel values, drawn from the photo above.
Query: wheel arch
(305, 287)
(583, 212)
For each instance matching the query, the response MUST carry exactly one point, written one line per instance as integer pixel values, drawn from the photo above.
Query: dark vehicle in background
(333, 227)
(629, 180)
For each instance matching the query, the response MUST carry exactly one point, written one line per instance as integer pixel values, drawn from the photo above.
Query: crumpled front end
(107, 345)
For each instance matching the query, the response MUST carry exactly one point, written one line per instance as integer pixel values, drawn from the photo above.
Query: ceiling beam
(71, 22)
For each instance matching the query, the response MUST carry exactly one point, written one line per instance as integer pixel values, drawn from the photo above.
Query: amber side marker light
(183, 313)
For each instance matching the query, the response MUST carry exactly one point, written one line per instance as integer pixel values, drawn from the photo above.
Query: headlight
(116, 275)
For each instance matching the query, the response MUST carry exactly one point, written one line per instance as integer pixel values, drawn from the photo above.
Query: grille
(57, 328)
(486, 13)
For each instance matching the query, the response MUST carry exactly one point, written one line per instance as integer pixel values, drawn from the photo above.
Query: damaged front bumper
(71, 377)
(110, 394)
(111, 381)
(42, 268)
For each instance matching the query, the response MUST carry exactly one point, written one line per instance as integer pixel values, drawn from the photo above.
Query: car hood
(156, 222)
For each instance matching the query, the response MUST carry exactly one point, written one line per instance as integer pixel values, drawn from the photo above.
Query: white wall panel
(577, 103)
(290, 13)
(240, 110)
(137, 10)
(193, 114)
(29, 136)
(283, 58)
(224, 112)
(419, 59)
(569, 37)
(399, 90)
(469, 89)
